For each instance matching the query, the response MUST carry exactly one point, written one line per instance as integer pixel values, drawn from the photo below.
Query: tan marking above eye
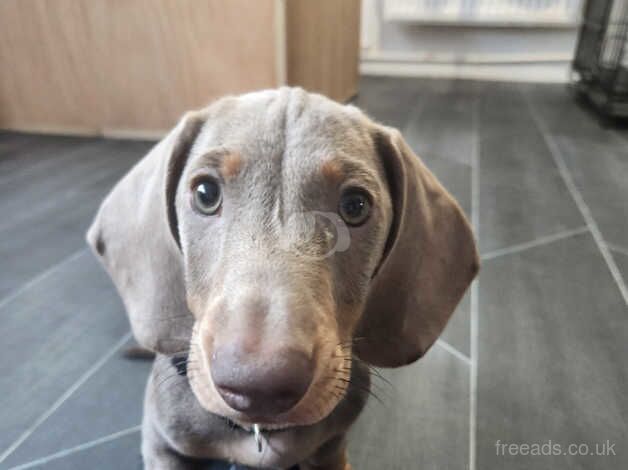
(332, 170)
(230, 165)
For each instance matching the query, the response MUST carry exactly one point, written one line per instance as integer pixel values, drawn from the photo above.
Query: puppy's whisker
(164, 376)
(364, 387)
(358, 382)
(174, 317)
(374, 371)
(377, 374)
(165, 380)
(368, 391)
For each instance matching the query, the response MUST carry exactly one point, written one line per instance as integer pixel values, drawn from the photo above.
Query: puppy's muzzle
(261, 384)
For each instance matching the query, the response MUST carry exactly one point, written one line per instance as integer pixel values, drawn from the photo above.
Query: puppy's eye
(207, 196)
(355, 206)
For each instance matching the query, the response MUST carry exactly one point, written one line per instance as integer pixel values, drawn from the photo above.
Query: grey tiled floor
(537, 351)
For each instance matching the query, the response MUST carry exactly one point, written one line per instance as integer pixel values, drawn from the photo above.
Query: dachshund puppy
(270, 249)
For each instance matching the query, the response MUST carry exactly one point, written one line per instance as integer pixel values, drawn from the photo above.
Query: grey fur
(261, 268)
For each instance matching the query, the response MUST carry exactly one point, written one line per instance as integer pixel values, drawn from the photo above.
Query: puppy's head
(279, 234)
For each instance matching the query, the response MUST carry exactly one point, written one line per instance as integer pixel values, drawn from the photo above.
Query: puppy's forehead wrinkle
(272, 122)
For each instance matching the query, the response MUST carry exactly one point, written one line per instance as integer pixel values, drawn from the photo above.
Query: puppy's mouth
(249, 428)
(327, 389)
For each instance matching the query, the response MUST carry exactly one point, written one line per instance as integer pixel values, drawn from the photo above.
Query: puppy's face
(296, 231)
(283, 212)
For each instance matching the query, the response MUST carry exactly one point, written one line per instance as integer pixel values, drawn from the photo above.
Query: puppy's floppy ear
(429, 260)
(135, 236)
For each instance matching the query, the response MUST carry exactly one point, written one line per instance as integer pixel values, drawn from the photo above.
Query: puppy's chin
(327, 390)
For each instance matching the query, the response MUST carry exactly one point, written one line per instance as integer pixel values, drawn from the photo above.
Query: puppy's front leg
(331, 456)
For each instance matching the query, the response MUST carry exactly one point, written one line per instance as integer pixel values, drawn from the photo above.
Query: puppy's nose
(261, 385)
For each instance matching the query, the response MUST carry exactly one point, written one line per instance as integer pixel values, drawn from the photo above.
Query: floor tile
(597, 159)
(48, 212)
(442, 125)
(522, 195)
(622, 263)
(23, 155)
(553, 339)
(52, 333)
(457, 331)
(10, 143)
(422, 422)
(386, 100)
(621, 132)
(122, 453)
(600, 172)
(60, 171)
(564, 115)
(455, 177)
(110, 401)
(446, 151)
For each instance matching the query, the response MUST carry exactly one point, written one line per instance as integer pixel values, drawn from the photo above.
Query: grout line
(78, 448)
(40, 277)
(453, 351)
(473, 382)
(473, 330)
(534, 243)
(68, 393)
(579, 200)
(618, 249)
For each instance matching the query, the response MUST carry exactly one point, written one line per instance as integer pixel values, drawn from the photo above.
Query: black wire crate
(601, 59)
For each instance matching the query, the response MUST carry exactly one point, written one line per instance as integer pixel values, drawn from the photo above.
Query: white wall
(484, 51)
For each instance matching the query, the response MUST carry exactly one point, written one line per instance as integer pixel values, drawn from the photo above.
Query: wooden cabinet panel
(133, 66)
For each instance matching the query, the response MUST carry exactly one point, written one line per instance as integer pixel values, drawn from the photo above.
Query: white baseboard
(547, 72)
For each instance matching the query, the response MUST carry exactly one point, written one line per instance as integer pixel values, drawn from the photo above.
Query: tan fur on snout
(324, 339)
(327, 389)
